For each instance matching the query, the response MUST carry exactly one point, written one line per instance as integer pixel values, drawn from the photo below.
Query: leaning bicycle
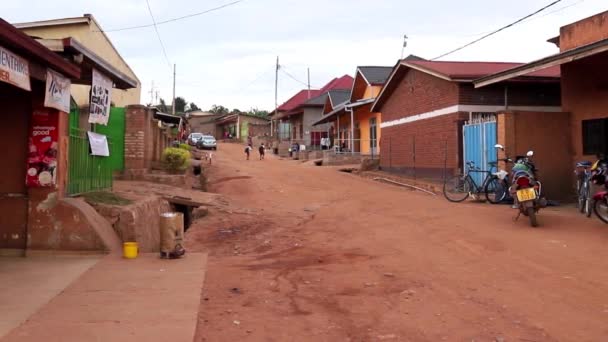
(583, 187)
(461, 187)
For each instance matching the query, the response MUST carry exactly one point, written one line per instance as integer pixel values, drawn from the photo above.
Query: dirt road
(308, 253)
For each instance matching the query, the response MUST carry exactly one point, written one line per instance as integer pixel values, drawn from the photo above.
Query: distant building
(87, 31)
(203, 122)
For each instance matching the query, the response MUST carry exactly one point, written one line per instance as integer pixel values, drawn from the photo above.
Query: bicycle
(583, 187)
(460, 187)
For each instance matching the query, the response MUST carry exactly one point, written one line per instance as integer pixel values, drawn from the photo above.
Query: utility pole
(276, 95)
(152, 94)
(309, 83)
(173, 109)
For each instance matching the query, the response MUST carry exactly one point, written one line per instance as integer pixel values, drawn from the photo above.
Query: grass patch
(104, 197)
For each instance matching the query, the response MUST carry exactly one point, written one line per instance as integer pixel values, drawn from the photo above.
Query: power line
(532, 19)
(282, 68)
(499, 30)
(174, 19)
(158, 34)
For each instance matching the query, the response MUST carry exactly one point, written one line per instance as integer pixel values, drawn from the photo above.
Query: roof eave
(544, 63)
(36, 51)
(120, 79)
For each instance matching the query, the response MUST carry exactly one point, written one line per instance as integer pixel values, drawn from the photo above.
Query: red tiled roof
(344, 82)
(298, 99)
(474, 70)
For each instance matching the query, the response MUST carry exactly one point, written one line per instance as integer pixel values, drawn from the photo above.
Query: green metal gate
(92, 173)
(115, 131)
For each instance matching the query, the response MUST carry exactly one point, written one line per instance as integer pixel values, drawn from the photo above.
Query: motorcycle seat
(584, 163)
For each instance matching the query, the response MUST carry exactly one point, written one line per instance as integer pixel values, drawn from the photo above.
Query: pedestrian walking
(262, 151)
(248, 150)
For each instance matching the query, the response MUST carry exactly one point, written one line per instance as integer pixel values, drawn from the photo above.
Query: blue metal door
(479, 140)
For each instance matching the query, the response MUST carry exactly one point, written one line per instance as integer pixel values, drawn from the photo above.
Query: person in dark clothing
(248, 150)
(262, 151)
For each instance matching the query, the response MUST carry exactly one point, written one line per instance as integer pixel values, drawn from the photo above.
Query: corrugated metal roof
(474, 70)
(339, 96)
(376, 75)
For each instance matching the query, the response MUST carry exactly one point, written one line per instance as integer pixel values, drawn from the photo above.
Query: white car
(193, 138)
(207, 142)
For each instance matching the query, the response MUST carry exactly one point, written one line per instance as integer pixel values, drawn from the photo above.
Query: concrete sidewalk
(28, 284)
(146, 299)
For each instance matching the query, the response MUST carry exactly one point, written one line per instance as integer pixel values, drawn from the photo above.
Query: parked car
(207, 142)
(193, 138)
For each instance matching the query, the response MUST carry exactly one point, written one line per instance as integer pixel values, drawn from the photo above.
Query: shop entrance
(15, 115)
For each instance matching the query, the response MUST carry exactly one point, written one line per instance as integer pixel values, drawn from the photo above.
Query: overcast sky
(227, 57)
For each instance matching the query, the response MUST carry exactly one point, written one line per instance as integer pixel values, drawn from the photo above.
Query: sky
(227, 57)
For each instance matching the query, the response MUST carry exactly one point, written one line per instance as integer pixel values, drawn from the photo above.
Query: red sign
(43, 144)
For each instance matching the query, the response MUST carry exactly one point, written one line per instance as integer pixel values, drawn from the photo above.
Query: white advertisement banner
(101, 92)
(14, 69)
(57, 93)
(99, 144)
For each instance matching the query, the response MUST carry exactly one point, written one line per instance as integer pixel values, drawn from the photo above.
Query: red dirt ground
(306, 253)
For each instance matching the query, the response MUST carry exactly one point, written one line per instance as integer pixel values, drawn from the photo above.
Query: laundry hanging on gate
(99, 144)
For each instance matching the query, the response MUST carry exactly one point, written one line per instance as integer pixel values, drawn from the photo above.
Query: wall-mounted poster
(98, 144)
(101, 92)
(43, 142)
(57, 93)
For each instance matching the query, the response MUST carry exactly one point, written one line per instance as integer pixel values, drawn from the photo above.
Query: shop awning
(544, 63)
(20, 43)
(168, 118)
(88, 60)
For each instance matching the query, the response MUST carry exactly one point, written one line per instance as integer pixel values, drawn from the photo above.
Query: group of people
(261, 150)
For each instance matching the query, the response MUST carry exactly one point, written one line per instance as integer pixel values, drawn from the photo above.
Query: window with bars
(595, 139)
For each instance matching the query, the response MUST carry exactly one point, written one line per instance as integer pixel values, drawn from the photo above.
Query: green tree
(180, 105)
(215, 109)
(258, 112)
(192, 107)
(163, 106)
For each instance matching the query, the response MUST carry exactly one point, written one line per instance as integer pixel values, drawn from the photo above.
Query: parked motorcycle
(599, 172)
(526, 188)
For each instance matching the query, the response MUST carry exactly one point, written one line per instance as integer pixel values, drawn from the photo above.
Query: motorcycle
(526, 189)
(599, 172)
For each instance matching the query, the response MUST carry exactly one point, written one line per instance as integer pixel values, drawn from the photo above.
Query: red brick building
(425, 104)
(583, 59)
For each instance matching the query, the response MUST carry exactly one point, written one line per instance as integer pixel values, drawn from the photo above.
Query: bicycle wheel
(496, 190)
(588, 200)
(457, 188)
(601, 210)
(580, 204)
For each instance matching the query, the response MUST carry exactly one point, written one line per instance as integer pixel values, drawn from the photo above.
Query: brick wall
(135, 127)
(423, 148)
(419, 93)
(585, 95)
(547, 134)
(584, 32)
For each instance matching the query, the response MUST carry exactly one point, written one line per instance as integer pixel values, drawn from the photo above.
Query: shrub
(184, 147)
(176, 159)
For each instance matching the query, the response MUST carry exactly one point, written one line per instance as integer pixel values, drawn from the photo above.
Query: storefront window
(595, 138)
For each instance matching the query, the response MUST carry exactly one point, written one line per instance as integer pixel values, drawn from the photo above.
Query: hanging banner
(99, 144)
(57, 93)
(14, 69)
(101, 92)
(43, 142)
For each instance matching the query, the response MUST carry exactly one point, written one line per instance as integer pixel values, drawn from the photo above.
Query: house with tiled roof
(293, 120)
(426, 105)
(357, 128)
